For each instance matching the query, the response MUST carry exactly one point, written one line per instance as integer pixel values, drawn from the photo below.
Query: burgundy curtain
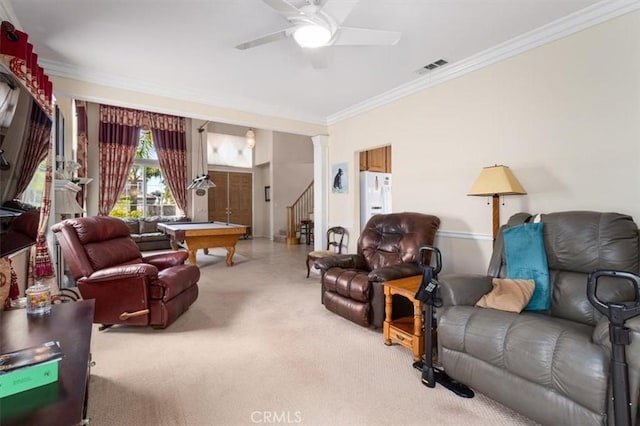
(37, 146)
(170, 141)
(83, 146)
(40, 266)
(118, 139)
(14, 290)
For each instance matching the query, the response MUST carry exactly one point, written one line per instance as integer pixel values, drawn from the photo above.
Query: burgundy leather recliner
(388, 249)
(128, 288)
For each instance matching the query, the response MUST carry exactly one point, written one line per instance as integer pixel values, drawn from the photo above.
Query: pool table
(204, 235)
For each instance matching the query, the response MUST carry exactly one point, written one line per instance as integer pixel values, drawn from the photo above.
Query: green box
(27, 378)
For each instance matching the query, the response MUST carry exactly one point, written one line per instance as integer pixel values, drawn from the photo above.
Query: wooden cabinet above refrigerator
(376, 160)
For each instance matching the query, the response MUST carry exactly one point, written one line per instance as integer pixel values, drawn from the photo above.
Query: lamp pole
(496, 217)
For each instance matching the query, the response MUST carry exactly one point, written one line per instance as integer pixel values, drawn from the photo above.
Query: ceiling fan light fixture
(312, 35)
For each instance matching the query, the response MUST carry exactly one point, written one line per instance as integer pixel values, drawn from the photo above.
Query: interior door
(232, 199)
(219, 197)
(240, 198)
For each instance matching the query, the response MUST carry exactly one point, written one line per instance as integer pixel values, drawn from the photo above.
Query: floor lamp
(493, 182)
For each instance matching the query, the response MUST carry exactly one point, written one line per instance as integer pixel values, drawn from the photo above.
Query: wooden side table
(406, 331)
(63, 402)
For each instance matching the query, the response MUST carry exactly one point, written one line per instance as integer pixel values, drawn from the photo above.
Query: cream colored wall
(292, 173)
(66, 109)
(565, 117)
(263, 176)
(263, 152)
(261, 208)
(148, 102)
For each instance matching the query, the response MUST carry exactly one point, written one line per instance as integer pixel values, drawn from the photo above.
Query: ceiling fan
(317, 23)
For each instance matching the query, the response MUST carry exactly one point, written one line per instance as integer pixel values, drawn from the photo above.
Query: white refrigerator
(375, 195)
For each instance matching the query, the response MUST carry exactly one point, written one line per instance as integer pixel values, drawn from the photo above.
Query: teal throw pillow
(527, 259)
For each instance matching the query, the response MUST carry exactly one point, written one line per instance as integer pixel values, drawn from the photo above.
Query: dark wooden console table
(62, 402)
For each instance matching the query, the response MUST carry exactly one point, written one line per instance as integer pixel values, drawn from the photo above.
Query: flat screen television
(16, 233)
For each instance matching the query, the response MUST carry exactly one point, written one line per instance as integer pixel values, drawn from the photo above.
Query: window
(228, 150)
(146, 193)
(33, 194)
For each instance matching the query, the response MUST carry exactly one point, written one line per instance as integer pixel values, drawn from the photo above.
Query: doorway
(375, 183)
(231, 201)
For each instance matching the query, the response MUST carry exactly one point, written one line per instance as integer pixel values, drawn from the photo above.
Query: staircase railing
(300, 210)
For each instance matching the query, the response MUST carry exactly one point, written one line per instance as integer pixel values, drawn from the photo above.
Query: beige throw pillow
(508, 294)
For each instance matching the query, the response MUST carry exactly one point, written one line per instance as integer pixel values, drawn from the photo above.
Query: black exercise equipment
(427, 294)
(619, 336)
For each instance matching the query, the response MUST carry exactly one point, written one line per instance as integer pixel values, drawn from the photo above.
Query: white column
(320, 190)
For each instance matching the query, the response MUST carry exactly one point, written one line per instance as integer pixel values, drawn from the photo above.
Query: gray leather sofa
(551, 366)
(144, 231)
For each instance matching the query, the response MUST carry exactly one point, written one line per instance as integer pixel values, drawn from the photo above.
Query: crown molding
(563, 27)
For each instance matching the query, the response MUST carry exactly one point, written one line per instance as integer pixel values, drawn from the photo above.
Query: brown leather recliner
(127, 288)
(387, 250)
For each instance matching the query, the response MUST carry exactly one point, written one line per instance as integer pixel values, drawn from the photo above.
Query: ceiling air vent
(432, 66)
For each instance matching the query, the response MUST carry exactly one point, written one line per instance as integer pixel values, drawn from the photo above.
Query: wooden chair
(335, 238)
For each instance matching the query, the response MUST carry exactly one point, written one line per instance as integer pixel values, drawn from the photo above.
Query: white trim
(321, 189)
(464, 235)
(572, 23)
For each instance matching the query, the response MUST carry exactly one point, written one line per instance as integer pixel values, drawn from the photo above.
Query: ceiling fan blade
(339, 9)
(348, 36)
(317, 57)
(267, 38)
(283, 7)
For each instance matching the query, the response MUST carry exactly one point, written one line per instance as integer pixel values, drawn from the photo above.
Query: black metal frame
(620, 336)
(428, 295)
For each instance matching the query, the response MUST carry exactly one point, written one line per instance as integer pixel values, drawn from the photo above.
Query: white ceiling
(185, 48)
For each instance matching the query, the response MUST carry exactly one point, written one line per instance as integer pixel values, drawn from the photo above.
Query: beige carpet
(258, 347)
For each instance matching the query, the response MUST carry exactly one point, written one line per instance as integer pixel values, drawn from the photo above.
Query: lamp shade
(496, 180)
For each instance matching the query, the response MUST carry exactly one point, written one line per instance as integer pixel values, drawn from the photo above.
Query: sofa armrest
(394, 272)
(463, 289)
(122, 272)
(167, 260)
(345, 261)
